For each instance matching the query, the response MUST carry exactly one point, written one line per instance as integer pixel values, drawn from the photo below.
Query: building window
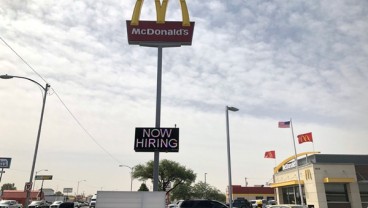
(336, 192)
(291, 195)
(363, 189)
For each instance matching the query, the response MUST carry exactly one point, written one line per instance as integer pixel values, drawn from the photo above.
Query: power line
(62, 102)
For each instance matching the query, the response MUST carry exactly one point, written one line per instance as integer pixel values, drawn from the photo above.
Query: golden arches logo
(305, 138)
(308, 174)
(160, 12)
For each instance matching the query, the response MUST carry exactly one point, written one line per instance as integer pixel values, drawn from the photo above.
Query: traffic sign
(67, 190)
(5, 162)
(43, 177)
(28, 186)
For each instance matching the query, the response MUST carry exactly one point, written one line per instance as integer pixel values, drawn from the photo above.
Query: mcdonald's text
(151, 33)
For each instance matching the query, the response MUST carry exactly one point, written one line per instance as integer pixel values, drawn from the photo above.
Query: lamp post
(78, 186)
(39, 127)
(205, 174)
(131, 175)
(227, 109)
(34, 184)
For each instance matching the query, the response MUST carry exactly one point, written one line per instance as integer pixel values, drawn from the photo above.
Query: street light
(39, 127)
(205, 174)
(78, 186)
(34, 184)
(131, 175)
(227, 109)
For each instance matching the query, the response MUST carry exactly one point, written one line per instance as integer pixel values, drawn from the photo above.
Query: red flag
(270, 154)
(284, 124)
(305, 138)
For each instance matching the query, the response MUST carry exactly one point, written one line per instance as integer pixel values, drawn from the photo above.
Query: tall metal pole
(158, 117)
(78, 186)
(131, 179)
(297, 166)
(1, 173)
(37, 142)
(34, 184)
(131, 175)
(39, 127)
(228, 154)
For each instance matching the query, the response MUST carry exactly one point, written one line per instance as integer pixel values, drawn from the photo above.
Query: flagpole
(296, 162)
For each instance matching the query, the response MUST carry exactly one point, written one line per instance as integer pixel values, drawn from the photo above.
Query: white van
(92, 203)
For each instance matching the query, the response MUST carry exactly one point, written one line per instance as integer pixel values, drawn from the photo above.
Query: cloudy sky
(274, 60)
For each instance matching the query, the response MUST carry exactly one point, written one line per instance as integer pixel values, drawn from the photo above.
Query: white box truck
(130, 199)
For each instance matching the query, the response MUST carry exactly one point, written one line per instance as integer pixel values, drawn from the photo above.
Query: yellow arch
(160, 12)
(277, 168)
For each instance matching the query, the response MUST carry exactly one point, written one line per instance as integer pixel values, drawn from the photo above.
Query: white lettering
(289, 165)
(167, 132)
(173, 143)
(163, 32)
(151, 142)
(139, 143)
(156, 143)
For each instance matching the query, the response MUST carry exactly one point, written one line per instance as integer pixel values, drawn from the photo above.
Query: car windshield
(5, 202)
(36, 202)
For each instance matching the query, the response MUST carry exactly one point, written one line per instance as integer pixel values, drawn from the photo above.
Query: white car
(288, 206)
(56, 204)
(10, 204)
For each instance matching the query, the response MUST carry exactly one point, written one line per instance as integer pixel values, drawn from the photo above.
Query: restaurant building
(326, 180)
(251, 193)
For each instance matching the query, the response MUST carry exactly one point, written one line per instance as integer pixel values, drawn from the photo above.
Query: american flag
(284, 124)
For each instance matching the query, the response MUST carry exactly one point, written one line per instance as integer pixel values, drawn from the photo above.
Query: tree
(170, 172)
(199, 191)
(8, 186)
(58, 193)
(143, 187)
(183, 191)
(205, 191)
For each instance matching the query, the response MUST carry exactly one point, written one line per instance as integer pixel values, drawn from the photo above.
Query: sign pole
(1, 173)
(159, 34)
(156, 162)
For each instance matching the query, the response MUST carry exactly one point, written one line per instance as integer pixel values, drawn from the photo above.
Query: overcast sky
(274, 60)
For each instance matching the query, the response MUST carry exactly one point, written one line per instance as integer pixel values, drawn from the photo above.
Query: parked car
(92, 203)
(288, 206)
(258, 203)
(67, 205)
(56, 204)
(172, 206)
(242, 203)
(10, 204)
(201, 203)
(272, 202)
(39, 204)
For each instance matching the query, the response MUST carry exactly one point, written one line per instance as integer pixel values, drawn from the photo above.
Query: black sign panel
(156, 139)
(43, 177)
(5, 162)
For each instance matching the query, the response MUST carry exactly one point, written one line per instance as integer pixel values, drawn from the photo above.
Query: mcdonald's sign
(308, 175)
(160, 32)
(305, 138)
